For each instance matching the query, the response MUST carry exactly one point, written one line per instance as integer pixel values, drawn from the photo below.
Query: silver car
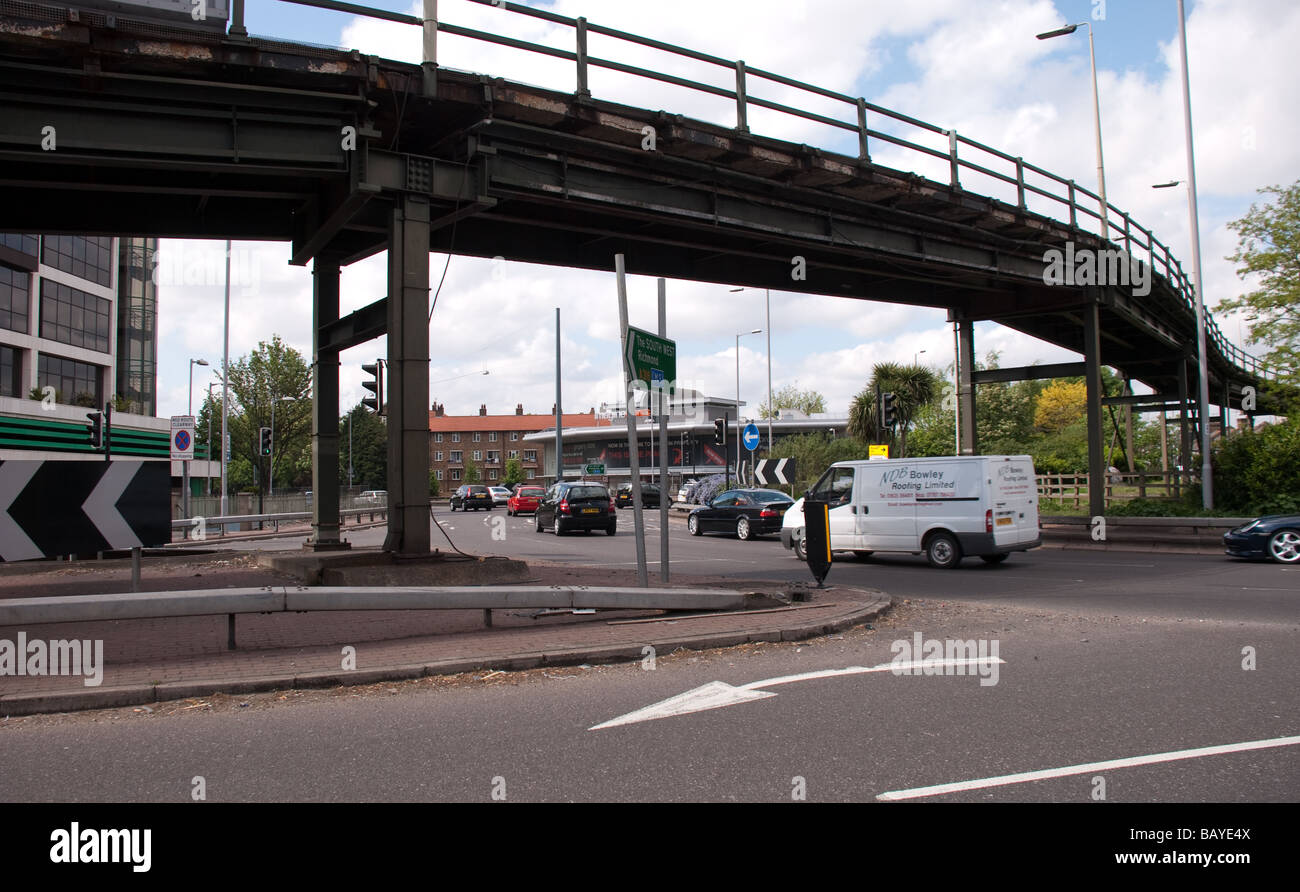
(500, 495)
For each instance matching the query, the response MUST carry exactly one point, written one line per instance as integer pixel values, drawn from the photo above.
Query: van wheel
(800, 549)
(994, 558)
(743, 532)
(862, 555)
(942, 551)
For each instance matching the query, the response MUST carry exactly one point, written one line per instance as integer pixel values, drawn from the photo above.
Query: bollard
(135, 568)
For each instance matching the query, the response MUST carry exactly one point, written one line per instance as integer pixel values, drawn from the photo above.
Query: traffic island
(372, 567)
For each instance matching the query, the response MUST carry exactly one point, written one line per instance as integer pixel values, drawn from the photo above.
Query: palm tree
(913, 386)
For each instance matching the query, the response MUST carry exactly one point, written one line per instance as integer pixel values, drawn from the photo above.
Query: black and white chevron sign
(51, 508)
(774, 470)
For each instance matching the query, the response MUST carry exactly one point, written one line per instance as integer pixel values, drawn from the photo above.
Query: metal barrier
(1003, 168)
(202, 523)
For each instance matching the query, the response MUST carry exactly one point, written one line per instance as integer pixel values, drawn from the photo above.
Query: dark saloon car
(577, 506)
(745, 512)
(1275, 536)
(472, 496)
(649, 495)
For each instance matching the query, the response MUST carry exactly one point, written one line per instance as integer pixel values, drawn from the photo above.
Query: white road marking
(1049, 773)
(717, 694)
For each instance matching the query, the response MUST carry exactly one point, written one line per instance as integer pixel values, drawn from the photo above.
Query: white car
(684, 494)
(500, 495)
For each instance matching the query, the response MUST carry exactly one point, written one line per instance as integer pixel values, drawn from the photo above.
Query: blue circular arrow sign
(750, 436)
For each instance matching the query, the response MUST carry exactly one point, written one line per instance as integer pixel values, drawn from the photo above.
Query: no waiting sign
(182, 438)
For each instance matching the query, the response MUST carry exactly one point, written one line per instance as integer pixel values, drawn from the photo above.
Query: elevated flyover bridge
(110, 125)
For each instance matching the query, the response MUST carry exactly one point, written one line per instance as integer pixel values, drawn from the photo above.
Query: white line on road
(717, 694)
(1049, 773)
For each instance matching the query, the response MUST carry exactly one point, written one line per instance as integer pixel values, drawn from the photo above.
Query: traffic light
(376, 386)
(264, 438)
(720, 432)
(95, 429)
(889, 412)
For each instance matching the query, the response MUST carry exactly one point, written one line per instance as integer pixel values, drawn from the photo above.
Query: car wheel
(537, 522)
(743, 532)
(557, 531)
(452, 505)
(862, 555)
(994, 558)
(800, 549)
(611, 530)
(1284, 546)
(693, 524)
(942, 551)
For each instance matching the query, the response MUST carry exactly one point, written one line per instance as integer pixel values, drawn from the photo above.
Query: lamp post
(738, 337)
(270, 489)
(916, 355)
(1096, 111)
(771, 410)
(210, 386)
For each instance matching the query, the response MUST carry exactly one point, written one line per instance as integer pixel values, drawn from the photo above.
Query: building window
(437, 438)
(492, 437)
(478, 455)
(494, 458)
(76, 383)
(455, 474)
(514, 453)
(437, 456)
(10, 371)
(137, 331)
(455, 438)
(23, 244)
(85, 257)
(437, 474)
(531, 474)
(492, 475)
(514, 435)
(71, 316)
(530, 455)
(456, 457)
(15, 298)
(477, 436)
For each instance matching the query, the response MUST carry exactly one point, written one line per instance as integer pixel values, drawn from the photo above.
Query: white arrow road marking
(101, 506)
(15, 544)
(1027, 776)
(717, 694)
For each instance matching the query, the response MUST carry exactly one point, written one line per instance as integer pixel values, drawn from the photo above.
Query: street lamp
(1096, 111)
(189, 409)
(916, 355)
(771, 409)
(738, 337)
(458, 377)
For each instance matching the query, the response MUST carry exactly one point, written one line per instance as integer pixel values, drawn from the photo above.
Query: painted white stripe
(15, 544)
(101, 506)
(1049, 773)
(907, 667)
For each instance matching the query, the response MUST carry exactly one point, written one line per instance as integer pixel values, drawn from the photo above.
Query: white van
(946, 507)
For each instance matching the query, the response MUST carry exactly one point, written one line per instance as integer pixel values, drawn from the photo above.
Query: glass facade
(15, 299)
(137, 329)
(83, 256)
(10, 371)
(76, 383)
(71, 316)
(23, 244)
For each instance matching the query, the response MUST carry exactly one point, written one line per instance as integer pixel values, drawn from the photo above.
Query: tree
(1269, 247)
(262, 378)
(472, 474)
(369, 437)
(514, 472)
(913, 386)
(813, 453)
(435, 488)
(809, 402)
(1060, 404)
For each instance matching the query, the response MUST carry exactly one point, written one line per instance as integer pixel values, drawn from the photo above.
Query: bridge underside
(105, 131)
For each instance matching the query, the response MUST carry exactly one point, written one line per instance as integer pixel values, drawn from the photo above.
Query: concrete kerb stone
(139, 695)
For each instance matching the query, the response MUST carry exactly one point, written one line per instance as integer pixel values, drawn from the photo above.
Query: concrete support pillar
(966, 387)
(325, 535)
(1096, 433)
(408, 377)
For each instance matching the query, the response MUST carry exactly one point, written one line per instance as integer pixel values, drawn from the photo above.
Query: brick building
(489, 441)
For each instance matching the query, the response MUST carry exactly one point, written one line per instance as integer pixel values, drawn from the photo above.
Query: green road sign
(650, 358)
(595, 469)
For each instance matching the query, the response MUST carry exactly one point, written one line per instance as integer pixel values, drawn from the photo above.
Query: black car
(577, 506)
(649, 495)
(472, 496)
(1275, 536)
(745, 512)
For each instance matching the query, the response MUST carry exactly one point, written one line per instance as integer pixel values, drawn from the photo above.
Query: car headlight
(1248, 527)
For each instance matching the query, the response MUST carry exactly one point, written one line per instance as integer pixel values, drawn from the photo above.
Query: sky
(972, 65)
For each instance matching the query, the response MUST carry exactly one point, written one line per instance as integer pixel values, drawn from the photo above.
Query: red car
(525, 499)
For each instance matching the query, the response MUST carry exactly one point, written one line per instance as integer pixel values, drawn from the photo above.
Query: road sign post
(652, 360)
(182, 450)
